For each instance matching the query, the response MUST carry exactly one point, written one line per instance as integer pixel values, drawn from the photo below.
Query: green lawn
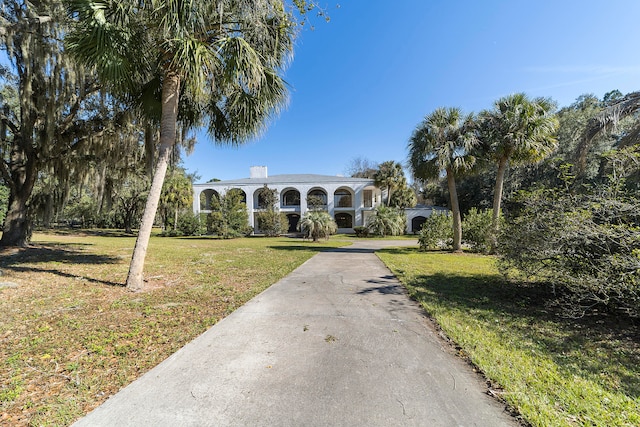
(71, 335)
(553, 371)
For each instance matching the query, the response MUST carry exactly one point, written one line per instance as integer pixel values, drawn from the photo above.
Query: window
(291, 198)
(344, 220)
(368, 198)
(342, 199)
(417, 223)
(316, 199)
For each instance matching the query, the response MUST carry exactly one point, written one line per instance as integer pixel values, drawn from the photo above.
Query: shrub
(585, 246)
(387, 221)
(171, 233)
(82, 211)
(436, 232)
(272, 223)
(189, 224)
(361, 231)
(317, 224)
(229, 217)
(476, 229)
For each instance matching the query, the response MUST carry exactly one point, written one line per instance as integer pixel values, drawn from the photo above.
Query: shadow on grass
(314, 247)
(406, 250)
(98, 232)
(526, 310)
(53, 253)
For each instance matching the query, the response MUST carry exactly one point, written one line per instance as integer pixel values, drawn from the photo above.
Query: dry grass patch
(71, 335)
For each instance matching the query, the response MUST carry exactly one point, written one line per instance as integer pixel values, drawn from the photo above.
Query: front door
(293, 222)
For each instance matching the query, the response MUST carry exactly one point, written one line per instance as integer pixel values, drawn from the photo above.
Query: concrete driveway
(335, 343)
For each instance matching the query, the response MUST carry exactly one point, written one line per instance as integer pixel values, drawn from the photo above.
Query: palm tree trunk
(455, 210)
(175, 219)
(497, 201)
(170, 98)
(149, 147)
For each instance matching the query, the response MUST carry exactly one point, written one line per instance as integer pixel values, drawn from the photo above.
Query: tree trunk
(497, 201)
(455, 210)
(17, 227)
(175, 219)
(149, 147)
(16, 224)
(170, 97)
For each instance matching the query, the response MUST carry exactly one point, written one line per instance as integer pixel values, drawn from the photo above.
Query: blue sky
(361, 83)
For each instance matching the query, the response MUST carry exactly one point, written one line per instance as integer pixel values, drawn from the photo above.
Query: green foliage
(130, 201)
(4, 202)
(229, 217)
(476, 229)
(585, 246)
(315, 203)
(520, 130)
(272, 223)
(267, 198)
(361, 231)
(436, 232)
(82, 212)
(189, 224)
(270, 220)
(387, 221)
(443, 145)
(390, 176)
(317, 224)
(177, 194)
(403, 197)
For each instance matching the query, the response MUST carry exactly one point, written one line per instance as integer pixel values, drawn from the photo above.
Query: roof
(291, 179)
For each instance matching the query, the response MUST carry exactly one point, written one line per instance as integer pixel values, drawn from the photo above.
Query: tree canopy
(443, 143)
(217, 63)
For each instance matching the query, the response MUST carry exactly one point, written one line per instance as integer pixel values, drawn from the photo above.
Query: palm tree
(442, 144)
(214, 60)
(390, 176)
(387, 221)
(316, 224)
(614, 112)
(520, 131)
(177, 193)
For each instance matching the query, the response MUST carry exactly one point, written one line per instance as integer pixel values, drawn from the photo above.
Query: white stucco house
(348, 200)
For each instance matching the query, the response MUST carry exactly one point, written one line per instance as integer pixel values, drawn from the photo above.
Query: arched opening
(263, 197)
(342, 198)
(293, 222)
(344, 220)
(291, 198)
(240, 193)
(317, 199)
(416, 223)
(205, 199)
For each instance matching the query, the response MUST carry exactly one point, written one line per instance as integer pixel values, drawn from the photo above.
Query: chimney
(258, 172)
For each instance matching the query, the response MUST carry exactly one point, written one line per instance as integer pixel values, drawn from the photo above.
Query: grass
(553, 371)
(71, 334)
(374, 237)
